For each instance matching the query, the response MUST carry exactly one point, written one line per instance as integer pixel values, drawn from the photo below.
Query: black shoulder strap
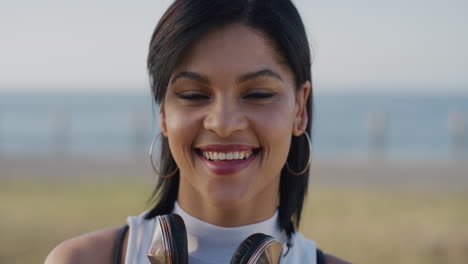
(320, 257)
(119, 244)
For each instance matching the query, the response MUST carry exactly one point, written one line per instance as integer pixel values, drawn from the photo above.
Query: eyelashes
(258, 95)
(194, 96)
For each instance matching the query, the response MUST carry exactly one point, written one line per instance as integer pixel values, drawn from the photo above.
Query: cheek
(274, 128)
(181, 130)
(177, 120)
(276, 120)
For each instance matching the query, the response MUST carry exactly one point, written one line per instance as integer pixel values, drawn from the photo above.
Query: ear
(301, 118)
(162, 120)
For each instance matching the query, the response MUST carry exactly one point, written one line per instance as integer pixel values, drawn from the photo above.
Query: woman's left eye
(192, 96)
(259, 95)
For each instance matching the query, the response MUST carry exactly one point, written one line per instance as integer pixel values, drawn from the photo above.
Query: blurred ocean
(399, 126)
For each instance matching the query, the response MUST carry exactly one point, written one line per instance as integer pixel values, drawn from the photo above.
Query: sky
(101, 45)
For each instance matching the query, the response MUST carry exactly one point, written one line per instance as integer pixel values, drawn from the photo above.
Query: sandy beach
(336, 171)
(393, 211)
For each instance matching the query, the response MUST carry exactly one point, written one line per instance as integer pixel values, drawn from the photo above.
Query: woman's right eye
(192, 96)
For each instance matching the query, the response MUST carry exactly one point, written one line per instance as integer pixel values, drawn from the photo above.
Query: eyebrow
(243, 78)
(191, 75)
(261, 73)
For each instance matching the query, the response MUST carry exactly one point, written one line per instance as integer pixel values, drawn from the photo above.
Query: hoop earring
(152, 162)
(308, 162)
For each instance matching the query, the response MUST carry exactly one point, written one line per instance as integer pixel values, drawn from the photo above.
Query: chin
(228, 199)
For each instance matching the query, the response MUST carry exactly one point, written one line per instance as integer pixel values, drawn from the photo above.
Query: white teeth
(237, 155)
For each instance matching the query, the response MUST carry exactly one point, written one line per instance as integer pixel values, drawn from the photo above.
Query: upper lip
(226, 147)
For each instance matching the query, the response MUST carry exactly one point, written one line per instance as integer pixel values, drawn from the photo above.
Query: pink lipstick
(227, 159)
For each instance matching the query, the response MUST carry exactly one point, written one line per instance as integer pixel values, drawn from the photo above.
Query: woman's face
(229, 113)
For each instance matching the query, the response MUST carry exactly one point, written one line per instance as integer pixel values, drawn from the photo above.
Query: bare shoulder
(95, 247)
(330, 259)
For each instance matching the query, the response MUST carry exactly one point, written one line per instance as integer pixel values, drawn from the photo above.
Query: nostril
(225, 123)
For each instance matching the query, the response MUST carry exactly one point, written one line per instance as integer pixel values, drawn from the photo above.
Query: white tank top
(210, 244)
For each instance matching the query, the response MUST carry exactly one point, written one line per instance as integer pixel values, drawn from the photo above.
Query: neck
(206, 241)
(228, 213)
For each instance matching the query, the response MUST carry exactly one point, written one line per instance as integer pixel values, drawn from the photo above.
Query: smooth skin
(234, 89)
(231, 88)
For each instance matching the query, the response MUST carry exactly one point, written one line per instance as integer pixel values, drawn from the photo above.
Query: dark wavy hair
(186, 21)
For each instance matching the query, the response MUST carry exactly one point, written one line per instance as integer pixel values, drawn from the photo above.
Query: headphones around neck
(169, 245)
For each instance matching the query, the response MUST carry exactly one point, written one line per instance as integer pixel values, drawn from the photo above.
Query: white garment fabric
(210, 244)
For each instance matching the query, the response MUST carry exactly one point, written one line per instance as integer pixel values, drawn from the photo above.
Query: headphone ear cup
(178, 234)
(169, 243)
(257, 244)
(244, 248)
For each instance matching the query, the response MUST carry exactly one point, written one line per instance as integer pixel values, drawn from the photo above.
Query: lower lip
(227, 167)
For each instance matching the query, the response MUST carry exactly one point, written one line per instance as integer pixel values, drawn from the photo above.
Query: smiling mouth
(230, 156)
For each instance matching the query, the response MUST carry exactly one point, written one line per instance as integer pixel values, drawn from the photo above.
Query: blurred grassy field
(362, 224)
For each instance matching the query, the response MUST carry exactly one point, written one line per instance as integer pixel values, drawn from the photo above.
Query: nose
(225, 118)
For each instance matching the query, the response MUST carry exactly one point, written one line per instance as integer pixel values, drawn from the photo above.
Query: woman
(233, 82)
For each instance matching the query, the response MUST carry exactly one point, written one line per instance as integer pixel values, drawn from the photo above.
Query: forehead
(233, 48)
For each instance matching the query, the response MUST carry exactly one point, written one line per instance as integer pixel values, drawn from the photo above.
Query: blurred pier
(364, 130)
(378, 126)
(59, 135)
(375, 168)
(458, 132)
(60, 123)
